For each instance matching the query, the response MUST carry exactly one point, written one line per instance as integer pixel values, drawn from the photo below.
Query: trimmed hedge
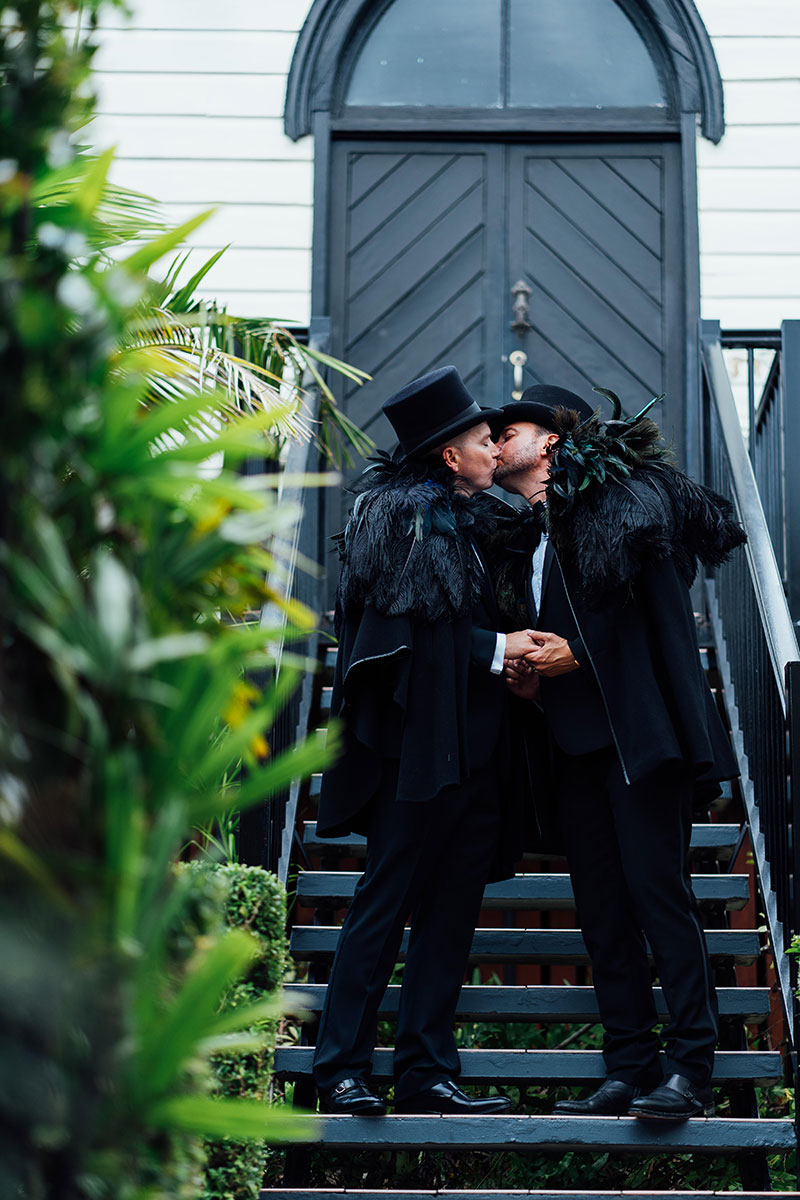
(252, 899)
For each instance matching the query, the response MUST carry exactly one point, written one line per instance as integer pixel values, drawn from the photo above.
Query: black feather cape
(615, 505)
(404, 688)
(406, 550)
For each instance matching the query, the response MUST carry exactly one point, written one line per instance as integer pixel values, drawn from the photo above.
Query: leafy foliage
(134, 556)
(239, 897)
(591, 451)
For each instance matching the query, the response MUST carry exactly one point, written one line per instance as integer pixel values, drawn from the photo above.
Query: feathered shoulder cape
(407, 549)
(616, 502)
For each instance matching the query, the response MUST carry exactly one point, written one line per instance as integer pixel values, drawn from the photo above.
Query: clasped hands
(531, 653)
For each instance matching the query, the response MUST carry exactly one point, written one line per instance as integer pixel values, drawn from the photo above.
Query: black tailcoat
(633, 737)
(642, 686)
(412, 682)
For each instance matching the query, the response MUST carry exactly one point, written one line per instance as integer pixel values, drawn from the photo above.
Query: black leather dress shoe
(677, 1099)
(612, 1099)
(353, 1097)
(448, 1098)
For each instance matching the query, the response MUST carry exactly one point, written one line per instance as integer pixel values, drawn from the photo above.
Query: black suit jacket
(639, 647)
(420, 692)
(572, 703)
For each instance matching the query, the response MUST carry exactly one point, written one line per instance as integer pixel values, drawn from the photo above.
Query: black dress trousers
(627, 847)
(427, 861)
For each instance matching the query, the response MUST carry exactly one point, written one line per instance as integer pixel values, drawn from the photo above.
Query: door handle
(522, 294)
(517, 358)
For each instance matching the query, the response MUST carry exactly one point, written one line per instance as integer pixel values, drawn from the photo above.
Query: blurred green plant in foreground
(134, 555)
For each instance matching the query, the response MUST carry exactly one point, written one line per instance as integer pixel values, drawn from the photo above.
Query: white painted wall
(191, 92)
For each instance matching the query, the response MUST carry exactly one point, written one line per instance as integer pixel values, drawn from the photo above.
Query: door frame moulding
(331, 28)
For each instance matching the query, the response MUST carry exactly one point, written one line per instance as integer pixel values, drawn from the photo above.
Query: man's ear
(550, 443)
(450, 458)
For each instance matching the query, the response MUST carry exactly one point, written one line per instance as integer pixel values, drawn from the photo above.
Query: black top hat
(431, 409)
(537, 404)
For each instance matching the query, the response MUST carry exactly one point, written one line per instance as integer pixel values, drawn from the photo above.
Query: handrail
(758, 652)
(776, 617)
(287, 579)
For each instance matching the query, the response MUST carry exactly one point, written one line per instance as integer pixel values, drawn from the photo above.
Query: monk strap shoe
(676, 1099)
(612, 1099)
(447, 1097)
(351, 1097)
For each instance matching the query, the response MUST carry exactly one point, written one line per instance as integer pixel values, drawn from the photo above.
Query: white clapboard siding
(189, 51)
(750, 313)
(751, 275)
(744, 146)
(750, 18)
(749, 233)
(757, 58)
(212, 139)
(255, 15)
(763, 102)
(249, 226)
(191, 95)
(750, 190)
(254, 270)
(201, 183)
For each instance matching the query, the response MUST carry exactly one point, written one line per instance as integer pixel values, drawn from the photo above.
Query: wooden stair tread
(709, 1135)
(541, 1002)
(318, 942)
(538, 891)
(712, 838)
(551, 1066)
(285, 1193)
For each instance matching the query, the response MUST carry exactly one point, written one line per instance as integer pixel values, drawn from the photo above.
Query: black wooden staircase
(528, 962)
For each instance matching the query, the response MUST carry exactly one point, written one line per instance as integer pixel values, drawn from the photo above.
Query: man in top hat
(419, 691)
(634, 734)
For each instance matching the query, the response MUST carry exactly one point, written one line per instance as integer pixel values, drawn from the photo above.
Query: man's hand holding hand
(518, 644)
(522, 680)
(551, 655)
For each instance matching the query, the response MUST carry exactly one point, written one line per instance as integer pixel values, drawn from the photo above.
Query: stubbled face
(473, 456)
(523, 460)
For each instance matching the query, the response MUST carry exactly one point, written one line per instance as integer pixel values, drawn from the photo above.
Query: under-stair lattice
(528, 1024)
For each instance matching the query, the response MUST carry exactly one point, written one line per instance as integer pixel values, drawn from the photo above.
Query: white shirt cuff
(499, 654)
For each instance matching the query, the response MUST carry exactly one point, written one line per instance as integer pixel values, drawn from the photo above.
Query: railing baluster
(757, 646)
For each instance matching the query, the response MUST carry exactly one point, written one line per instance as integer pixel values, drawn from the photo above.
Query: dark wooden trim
(330, 36)
(790, 389)
(523, 122)
(559, 1067)
(691, 276)
(555, 1133)
(540, 1002)
(317, 943)
(319, 239)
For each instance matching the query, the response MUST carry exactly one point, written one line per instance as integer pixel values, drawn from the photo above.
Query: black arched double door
(427, 239)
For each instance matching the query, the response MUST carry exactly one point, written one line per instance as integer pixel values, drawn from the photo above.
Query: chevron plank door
(428, 237)
(416, 266)
(596, 233)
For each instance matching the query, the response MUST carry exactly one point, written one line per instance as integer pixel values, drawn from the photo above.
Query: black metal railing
(773, 425)
(295, 578)
(759, 661)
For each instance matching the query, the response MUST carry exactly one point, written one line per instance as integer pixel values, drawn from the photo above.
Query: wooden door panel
(576, 249)
(595, 231)
(583, 207)
(417, 257)
(375, 285)
(414, 183)
(427, 238)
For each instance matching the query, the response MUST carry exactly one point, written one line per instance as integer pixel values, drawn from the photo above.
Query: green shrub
(128, 579)
(249, 898)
